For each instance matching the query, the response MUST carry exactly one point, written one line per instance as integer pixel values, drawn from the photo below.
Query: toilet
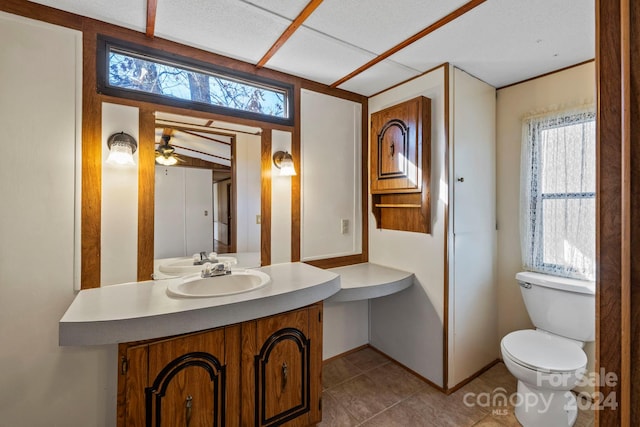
(549, 361)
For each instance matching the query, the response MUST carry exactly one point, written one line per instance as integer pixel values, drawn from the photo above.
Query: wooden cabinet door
(187, 381)
(398, 136)
(190, 381)
(282, 384)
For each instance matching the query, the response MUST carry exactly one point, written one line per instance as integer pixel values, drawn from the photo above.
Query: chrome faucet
(213, 270)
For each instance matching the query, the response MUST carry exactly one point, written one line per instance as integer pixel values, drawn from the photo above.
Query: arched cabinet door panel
(282, 354)
(181, 381)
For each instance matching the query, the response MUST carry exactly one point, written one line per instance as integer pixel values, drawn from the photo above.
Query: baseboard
(353, 350)
(431, 383)
(471, 377)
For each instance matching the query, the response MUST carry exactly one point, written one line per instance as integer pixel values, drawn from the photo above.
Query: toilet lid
(544, 352)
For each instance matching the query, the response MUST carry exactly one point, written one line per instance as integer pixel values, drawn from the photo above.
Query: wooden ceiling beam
(152, 7)
(295, 24)
(430, 29)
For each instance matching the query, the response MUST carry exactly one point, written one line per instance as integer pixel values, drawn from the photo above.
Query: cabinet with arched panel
(264, 372)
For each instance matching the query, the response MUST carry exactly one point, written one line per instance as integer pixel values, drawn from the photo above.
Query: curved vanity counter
(143, 310)
(366, 281)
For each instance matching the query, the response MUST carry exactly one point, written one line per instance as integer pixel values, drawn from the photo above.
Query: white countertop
(366, 281)
(143, 310)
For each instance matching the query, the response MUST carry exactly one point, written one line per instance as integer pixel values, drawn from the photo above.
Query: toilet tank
(562, 306)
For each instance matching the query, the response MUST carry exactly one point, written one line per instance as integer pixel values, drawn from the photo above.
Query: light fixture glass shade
(166, 161)
(121, 148)
(120, 154)
(286, 166)
(284, 162)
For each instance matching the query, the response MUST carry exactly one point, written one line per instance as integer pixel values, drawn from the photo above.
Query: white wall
(248, 186)
(408, 326)
(572, 87)
(280, 203)
(42, 384)
(119, 229)
(331, 179)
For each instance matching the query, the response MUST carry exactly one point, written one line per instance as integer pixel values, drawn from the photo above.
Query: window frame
(105, 44)
(537, 248)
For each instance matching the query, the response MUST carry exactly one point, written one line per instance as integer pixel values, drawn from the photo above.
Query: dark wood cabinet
(283, 355)
(399, 154)
(190, 380)
(265, 372)
(400, 166)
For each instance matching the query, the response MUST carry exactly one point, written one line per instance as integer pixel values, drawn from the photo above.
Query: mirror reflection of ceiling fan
(165, 153)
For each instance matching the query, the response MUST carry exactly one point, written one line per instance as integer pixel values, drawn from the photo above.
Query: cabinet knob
(461, 179)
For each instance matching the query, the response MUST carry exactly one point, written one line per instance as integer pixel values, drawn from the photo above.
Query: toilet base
(550, 408)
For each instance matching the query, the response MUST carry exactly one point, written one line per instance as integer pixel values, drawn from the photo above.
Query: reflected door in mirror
(183, 211)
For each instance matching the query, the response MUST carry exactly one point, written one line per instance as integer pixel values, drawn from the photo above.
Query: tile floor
(365, 388)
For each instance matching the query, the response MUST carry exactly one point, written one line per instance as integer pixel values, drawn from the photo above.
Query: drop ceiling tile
(290, 9)
(317, 57)
(378, 78)
(524, 39)
(126, 13)
(228, 27)
(378, 25)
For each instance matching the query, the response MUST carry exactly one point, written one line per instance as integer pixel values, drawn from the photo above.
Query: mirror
(207, 192)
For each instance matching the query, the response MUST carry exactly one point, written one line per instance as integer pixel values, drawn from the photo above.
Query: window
(558, 194)
(149, 75)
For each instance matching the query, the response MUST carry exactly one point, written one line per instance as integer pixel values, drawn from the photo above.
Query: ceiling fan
(165, 153)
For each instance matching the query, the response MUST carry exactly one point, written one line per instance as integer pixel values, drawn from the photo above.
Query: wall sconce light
(284, 162)
(121, 148)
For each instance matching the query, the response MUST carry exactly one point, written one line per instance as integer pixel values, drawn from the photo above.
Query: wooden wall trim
(611, 211)
(146, 193)
(296, 181)
(91, 220)
(265, 197)
(634, 207)
(579, 64)
(445, 297)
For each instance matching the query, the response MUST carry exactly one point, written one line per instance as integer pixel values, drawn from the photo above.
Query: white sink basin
(185, 265)
(238, 281)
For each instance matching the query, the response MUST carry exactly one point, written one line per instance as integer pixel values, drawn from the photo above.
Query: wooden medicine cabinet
(400, 166)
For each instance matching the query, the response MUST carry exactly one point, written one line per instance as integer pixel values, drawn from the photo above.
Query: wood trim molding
(616, 127)
(152, 8)
(265, 197)
(430, 29)
(295, 24)
(445, 298)
(634, 207)
(91, 210)
(547, 74)
(146, 192)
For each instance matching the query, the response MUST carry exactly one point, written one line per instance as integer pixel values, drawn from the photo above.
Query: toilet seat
(543, 352)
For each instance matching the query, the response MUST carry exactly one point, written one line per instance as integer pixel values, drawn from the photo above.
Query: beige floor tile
(365, 388)
(500, 419)
(366, 359)
(338, 371)
(396, 379)
(362, 397)
(334, 414)
(435, 409)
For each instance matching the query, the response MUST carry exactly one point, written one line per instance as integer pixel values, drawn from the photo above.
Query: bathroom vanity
(252, 358)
